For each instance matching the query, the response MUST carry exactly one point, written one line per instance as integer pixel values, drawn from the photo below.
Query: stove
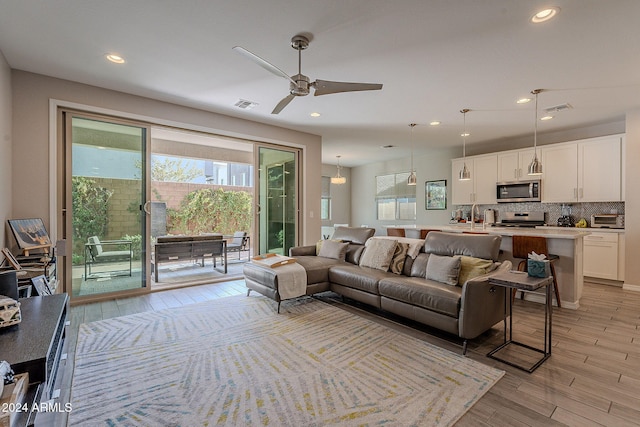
(521, 219)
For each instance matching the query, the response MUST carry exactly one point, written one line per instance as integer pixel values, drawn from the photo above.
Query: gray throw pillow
(332, 249)
(443, 269)
(378, 254)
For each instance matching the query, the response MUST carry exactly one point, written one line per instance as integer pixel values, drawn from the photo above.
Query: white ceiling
(434, 58)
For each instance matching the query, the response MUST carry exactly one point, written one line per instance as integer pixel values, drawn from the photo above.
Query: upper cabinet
(481, 188)
(512, 165)
(583, 171)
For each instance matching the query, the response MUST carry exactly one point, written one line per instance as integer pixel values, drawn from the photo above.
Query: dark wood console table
(35, 344)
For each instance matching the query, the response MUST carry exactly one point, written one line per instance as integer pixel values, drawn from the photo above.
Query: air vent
(387, 146)
(556, 108)
(244, 104)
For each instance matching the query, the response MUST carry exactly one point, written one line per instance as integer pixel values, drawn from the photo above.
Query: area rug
(235, 361)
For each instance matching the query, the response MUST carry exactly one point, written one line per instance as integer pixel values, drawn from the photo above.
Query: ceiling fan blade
(263, 63)
(285, 101)
(325, 87)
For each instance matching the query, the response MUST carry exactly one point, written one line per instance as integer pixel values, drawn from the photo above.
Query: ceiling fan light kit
(299, 84)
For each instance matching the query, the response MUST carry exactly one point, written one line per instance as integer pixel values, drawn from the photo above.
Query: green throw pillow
(471, 267)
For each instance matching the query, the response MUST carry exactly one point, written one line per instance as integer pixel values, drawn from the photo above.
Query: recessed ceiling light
(434, 123)
(465, 134)
(116, 59)
(315, 114)
(523, 100)
(545, 118)
(545, 14)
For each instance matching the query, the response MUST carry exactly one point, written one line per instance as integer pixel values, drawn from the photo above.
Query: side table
(522, 281)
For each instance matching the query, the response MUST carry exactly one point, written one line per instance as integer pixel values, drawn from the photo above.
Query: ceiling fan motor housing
(302, 86)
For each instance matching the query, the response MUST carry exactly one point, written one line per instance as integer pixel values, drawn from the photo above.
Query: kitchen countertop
(571, 233)
(590, 229)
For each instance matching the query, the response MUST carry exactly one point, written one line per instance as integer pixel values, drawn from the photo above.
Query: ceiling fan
(299, 84)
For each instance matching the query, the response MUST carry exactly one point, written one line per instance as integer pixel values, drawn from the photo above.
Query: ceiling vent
(386, 147)
(556, 108)
(244, 104)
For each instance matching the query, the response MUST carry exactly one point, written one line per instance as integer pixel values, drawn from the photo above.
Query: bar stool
(398, 232)
(523, 246)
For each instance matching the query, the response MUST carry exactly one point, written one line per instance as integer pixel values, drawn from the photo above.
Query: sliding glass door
(278, 199)
(106, 187)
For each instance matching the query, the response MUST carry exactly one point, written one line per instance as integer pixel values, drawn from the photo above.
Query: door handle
(145, 207)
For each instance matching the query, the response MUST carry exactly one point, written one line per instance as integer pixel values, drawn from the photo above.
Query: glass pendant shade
(412, 180)
(535, 167)
(465, 175)
(338, 179)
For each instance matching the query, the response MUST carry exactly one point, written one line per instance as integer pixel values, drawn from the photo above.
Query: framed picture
(435, 194)
(11, 259)
(29, 233)
(40, 285)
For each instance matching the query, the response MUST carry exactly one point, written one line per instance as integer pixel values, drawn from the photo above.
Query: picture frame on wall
(435, 195)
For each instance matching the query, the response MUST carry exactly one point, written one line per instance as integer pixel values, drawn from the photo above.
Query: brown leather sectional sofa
(466, 311)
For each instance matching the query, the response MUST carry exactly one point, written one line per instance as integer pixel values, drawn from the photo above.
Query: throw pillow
(471, 267)
(399, 255)
(319, 244)
(378, 254)
(443, 269)
(335, 250)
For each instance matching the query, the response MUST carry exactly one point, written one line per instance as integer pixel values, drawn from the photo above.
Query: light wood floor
(591, 379)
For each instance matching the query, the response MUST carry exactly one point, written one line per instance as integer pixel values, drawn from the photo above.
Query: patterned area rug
(235, 361)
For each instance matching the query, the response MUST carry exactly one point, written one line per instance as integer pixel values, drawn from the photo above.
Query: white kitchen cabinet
(583, 171)
(481, 188)
(512, 165)
(599, 170)
(601, 255)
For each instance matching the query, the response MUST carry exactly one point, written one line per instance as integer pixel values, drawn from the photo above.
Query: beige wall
(5, 149)
(632, 201)
(31, 96)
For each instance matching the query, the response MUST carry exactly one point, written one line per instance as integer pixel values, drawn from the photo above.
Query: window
(325, 203)
(394, 198)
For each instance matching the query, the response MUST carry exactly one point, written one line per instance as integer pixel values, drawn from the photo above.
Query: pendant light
(338, 179)
(535, 167)
(465, 175)
(412, 176)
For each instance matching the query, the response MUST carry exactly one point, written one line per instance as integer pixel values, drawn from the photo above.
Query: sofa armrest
(302, 250)
(482, 304)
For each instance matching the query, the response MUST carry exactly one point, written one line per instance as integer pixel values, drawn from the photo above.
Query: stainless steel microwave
(518, 191)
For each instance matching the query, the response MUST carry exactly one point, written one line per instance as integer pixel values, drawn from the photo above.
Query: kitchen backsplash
(552, 211)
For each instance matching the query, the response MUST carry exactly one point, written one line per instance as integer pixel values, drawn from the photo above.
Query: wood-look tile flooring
(591, 379)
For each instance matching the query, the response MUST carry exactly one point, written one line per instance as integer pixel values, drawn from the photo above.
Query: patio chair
(239, 243)
(106, 251)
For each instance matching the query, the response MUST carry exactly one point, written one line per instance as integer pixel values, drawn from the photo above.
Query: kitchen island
(561, 241)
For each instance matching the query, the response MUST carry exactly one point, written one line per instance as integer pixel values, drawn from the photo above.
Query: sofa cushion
(362, 278)
(354, 252)
(378, 253)
(444, 269)
(357, 235)
(320, 242)
(471, 267)
(334, 250)
(317, 268)
(475, 245)
(423, 293)
(398, 258)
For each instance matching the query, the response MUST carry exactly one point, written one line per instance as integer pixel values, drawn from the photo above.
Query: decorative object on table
(538, 265)
(6, 374)
(272, 260)
(9, 311)
(41, 285)
(30, 233)
(435, 195)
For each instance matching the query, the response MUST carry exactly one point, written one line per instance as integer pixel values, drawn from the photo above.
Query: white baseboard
(630, 287)
(540, 298)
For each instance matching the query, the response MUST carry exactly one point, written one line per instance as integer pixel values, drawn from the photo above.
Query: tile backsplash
(552, 211)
